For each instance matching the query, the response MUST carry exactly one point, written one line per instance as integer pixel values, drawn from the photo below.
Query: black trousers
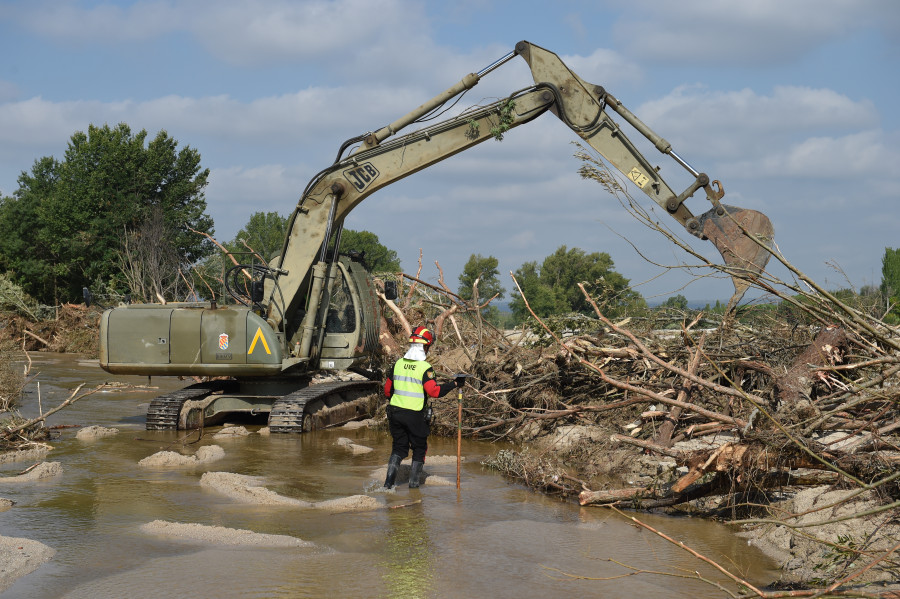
(409, 430)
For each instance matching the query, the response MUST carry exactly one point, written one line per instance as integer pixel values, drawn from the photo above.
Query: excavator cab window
(390, 290)
(256, 291)
(341, 312)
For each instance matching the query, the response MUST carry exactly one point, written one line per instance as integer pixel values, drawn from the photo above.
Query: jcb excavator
(312, 309)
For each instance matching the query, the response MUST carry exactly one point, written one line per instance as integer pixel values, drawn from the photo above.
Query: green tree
(890, 282)
(376, 257)
(31, 262)
(676, 302)
(541, 296)
(552, 288)
(264, 233)
(484, 269)
(66, 225)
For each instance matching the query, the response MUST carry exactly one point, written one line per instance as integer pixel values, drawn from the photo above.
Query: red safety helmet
(422, 335)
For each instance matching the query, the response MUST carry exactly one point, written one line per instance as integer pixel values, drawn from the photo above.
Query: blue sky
(790, 103)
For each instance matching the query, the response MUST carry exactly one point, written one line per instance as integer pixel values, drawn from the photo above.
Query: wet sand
(19, 557)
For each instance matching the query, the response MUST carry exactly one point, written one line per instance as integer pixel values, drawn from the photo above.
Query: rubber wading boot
(393, 465)
(414, 473)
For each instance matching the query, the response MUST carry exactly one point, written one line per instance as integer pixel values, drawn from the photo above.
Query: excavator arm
(313, 309)
(304, 273)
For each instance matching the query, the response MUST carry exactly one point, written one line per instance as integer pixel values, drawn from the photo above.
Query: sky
(792, 104)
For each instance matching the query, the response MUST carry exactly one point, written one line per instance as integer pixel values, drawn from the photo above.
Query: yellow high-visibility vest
(408, 390)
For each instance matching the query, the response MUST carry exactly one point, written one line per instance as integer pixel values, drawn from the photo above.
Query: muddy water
(493, 538)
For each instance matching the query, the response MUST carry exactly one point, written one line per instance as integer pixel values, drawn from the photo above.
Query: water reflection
(409, 567)
(493, 539)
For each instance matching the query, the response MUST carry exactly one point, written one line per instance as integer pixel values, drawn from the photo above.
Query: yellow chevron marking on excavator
(259, 337)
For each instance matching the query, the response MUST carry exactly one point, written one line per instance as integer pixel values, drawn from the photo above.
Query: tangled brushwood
(730, 415)
(26, 326)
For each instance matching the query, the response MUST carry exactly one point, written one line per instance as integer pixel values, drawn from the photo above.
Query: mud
(171, 459)
(24, 455)
(232, 432)
(89, 433)
(250, 489)
(219, 535)
(41, 471)
(357, 424)
(19, 557)
(803, 559)
(354, 448)
(247, 489)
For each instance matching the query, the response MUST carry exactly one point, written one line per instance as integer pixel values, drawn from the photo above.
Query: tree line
(125, 213)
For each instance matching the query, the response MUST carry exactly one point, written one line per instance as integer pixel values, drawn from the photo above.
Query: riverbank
(799, 560)
(816, 534)
(494, 531)
(591, 413)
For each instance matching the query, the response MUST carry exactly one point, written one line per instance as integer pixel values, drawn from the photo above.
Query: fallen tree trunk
(664, 438)
(828, 349)
(721, 485)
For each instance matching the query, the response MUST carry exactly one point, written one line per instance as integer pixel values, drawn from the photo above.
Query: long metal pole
(458, 434)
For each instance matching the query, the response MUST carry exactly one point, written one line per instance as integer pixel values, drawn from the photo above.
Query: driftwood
(664, 438)
(739, 462)
(646, 391)
(828, 349)
(33, 336)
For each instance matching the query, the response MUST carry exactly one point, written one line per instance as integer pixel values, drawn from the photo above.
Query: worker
(409, 385)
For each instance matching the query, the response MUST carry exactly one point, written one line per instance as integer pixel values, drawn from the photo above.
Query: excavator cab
(352, 320)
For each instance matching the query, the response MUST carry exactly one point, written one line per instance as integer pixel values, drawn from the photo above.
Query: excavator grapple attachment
(739, 251)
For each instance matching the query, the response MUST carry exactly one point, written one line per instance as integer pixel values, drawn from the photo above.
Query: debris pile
(805, 394)
(74, 328)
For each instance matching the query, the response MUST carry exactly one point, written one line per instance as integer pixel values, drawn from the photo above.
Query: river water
(491, 538)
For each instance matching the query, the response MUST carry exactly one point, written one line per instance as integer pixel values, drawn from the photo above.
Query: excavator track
(165, 410)
(319, 406)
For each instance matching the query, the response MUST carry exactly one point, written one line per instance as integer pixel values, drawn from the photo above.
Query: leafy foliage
(264, 234)
(14, 299)
(676, 302)
(552, 287)
(485, 270)
(64, 226)
(890, 283)
(506, 118)
(376, 256)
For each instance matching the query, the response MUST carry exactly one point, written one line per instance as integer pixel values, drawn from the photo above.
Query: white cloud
(102, 23)
(239, 32)
(729, 124)
(247, 33)
(320, 113)
(36, 122)
(867, 155)
(234, 193)
(605, 67)
(761, 32)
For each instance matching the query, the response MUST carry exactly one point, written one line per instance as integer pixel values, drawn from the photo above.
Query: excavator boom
(312, 308)
(382, 157)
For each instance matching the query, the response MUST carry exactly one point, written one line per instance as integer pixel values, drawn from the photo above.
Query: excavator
(313, 309)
